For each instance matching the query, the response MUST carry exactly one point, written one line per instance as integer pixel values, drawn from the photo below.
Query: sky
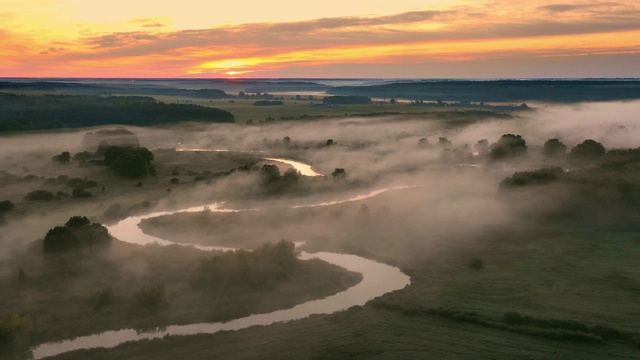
(327, 39)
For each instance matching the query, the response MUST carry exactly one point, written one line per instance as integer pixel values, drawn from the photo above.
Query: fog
(376, 153)
(400, 199)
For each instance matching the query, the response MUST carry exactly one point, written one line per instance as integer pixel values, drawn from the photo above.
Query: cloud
(499, 29)
(558, 8)
(149, 22)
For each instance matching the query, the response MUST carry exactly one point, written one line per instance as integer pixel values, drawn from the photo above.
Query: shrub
(339, 174)
(476, 264)
(12, 325)
(536, 177)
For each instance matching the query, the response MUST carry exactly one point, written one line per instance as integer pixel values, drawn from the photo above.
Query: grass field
(581, 277)
(243, 110)
(557, 271)
(570, 272)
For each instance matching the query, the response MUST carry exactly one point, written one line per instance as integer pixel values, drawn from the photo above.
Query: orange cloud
(489, 31)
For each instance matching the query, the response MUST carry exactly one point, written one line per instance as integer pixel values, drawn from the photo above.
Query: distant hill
(559, 91)
(36, 112)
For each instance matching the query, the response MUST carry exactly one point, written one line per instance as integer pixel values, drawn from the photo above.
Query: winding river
(377, 279)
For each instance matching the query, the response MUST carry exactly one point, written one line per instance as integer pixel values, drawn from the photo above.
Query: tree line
(37, 112)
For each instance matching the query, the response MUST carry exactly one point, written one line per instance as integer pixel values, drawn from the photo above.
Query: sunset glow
(72, 38)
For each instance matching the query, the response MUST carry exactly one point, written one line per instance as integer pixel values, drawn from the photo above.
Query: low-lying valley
(517, 230)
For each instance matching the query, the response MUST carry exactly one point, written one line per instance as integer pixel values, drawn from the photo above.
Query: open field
(480, 250)
(582, 276)
(243, 109)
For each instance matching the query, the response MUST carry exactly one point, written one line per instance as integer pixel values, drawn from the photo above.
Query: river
(377, 279)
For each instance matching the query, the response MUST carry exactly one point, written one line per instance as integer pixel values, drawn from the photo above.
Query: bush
(39, 195)
(536, 177)
(81, 183)
(339, 174)
(6, 206)
(476, 264)
(260, 268)
(12, 325)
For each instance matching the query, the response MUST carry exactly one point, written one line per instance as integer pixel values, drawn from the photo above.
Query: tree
(83, 156)
(6, 206)
(537, 177)
(444, 142)
(270, 173)
(129, 162)
(76, 222)
(587, 150)
(482, 147)
(12, 325)
(77, 233)
(63, 158)
(476, 264)
(339, 174)
(554, 148)
(286, 140)
(80, 193)
(60, 239)
(342, 100)
(423, 143)
(508, 146)
(39, 195)
(291, 176)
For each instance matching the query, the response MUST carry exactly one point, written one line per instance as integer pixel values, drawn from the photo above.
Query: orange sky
(283, 38)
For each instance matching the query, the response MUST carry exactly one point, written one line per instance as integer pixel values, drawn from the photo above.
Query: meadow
(544, 269)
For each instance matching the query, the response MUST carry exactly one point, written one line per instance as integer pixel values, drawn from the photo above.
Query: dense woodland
(556, 91)
(37, 112)
(94, 89)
